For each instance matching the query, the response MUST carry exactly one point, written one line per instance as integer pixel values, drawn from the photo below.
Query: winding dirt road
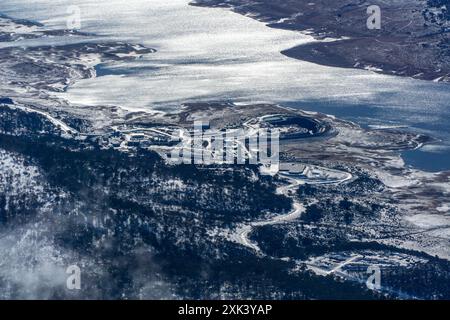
(241, 234)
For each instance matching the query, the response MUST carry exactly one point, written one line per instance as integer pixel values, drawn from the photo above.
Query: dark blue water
(108, 70)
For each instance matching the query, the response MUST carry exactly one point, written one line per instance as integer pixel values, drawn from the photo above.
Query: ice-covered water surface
(214, 54)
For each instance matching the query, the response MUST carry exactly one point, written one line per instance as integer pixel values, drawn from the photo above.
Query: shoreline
(391, 51)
